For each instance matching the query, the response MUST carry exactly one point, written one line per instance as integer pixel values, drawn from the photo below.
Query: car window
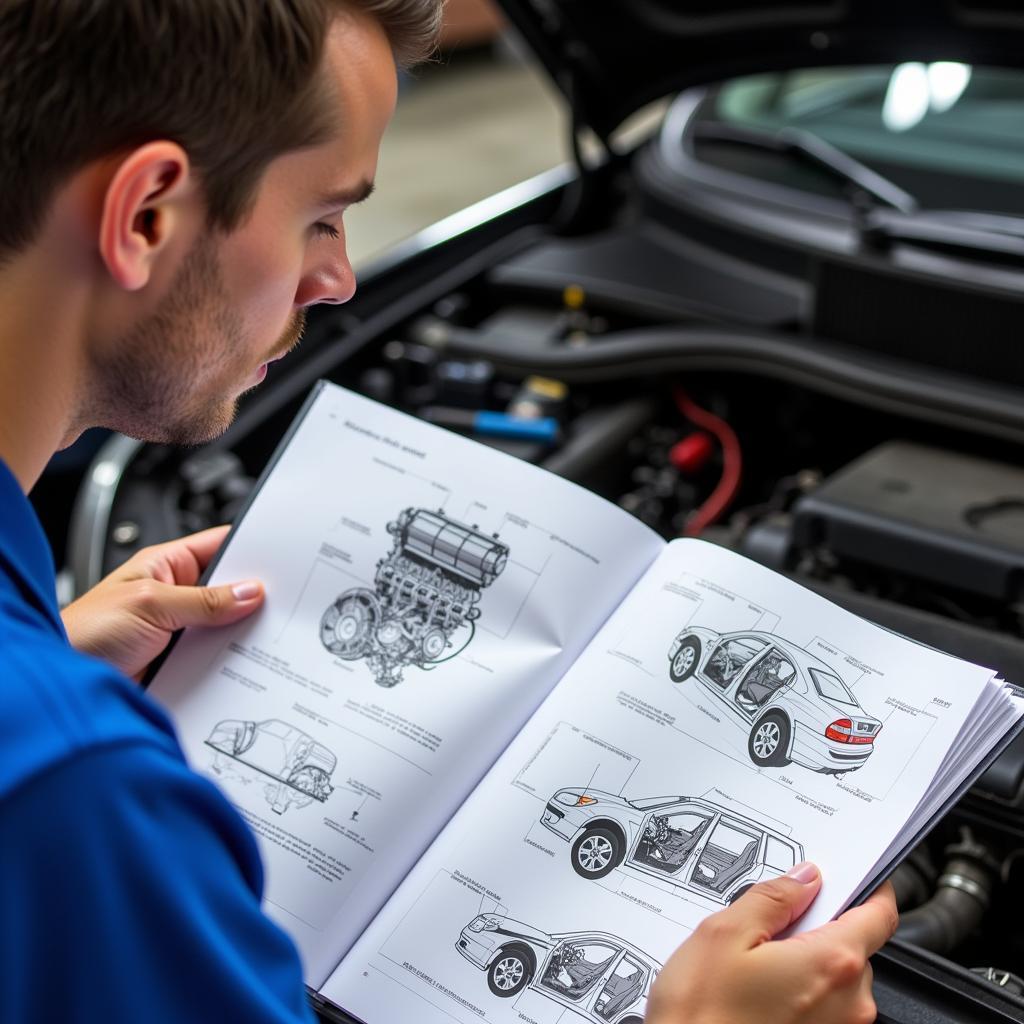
(574, 968)
(729, 658)
(947, 133)
(275, 728)
(778, 855)
(784, 669)
(687, 822)
(623, 988)
(832, 687)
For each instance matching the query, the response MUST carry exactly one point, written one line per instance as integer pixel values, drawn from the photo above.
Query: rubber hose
(953, 913)
(911, 887)
(825, 367)
(597, 436)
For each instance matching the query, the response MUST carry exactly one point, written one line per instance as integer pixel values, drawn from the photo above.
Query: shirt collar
(25, 557)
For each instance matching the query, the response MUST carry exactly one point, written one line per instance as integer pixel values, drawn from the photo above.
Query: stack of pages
(503, 747)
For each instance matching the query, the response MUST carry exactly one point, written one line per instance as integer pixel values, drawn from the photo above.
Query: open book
(503, 747)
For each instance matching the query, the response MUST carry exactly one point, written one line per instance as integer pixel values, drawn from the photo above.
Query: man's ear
(143, 210)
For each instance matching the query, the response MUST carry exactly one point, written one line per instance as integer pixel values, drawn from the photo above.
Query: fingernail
(805, 872)
(246, 591)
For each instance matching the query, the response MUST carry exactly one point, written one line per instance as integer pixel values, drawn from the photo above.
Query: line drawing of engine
(425, 590)
(300, 767)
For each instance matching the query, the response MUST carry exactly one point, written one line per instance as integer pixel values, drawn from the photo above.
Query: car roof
(798, 654)
(277, 721)
(729, 812)
(614, 940)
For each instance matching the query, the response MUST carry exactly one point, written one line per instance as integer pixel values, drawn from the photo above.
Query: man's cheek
(269, 311)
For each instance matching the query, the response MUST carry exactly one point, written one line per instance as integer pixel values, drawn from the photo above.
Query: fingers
(189, 556)
(868, 927)
(179, 561)
(771, 907)
(866, 993)
(172, 607)
(204, 545)
(728, 971)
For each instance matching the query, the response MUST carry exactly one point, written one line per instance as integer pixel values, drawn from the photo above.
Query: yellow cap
(573, 296)
(553, 389)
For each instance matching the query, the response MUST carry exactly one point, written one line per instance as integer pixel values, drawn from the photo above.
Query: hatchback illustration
(300, 767)
(705, 849)
(793, 707)
(596, 976)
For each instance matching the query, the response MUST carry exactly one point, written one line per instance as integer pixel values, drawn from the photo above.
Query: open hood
(611, 58)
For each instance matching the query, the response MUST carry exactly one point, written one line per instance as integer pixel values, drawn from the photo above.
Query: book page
(424, 593)
(724, 725)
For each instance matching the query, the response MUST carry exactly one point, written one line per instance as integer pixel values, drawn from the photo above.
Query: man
(173, 181)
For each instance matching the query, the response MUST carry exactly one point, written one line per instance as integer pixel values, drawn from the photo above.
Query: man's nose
(334, 283)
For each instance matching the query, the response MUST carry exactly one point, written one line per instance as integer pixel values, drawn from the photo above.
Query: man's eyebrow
(347, 196)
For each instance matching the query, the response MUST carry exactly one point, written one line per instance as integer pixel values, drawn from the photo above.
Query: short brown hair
(234, 82)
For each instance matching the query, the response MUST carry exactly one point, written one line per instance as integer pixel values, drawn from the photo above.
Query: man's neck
(40, 363)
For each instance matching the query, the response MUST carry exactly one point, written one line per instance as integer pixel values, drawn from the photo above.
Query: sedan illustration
(792, 706)
(708, 851)
(300, 767)
(596, 976)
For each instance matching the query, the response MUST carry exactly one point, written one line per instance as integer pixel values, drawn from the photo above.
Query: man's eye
(326, 230)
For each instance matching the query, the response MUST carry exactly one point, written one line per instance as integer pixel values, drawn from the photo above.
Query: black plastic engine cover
(935, 515)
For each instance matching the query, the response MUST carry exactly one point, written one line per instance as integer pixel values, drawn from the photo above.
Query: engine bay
(836, 466)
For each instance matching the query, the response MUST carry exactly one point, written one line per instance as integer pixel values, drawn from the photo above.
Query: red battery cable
(732, 464)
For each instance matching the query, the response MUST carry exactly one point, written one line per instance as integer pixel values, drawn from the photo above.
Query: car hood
(507, 926)
(602, 798)
(612, 58)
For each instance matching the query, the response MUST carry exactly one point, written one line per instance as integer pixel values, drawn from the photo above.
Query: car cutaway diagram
(300, 767)
(598, 977)
(707, 850)
(426, 589)
(792, 706)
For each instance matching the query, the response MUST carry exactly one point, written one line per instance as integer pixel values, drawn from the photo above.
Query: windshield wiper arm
(884, 213)
(816, 151)
(880, 229)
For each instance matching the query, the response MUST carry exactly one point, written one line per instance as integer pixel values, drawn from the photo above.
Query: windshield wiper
(881, 229)
(814, 150)
(884, 213)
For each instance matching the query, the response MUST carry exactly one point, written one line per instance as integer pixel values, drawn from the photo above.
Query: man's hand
(731, 972)
(128, 617)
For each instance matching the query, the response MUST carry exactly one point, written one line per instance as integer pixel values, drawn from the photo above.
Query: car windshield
(832, 688)
(275, 728)
(656, 801)
(946, 133)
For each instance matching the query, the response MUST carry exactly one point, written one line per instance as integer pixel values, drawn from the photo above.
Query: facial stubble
(173, 379)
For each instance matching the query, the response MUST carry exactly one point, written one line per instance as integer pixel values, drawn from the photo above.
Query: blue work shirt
(129, 887)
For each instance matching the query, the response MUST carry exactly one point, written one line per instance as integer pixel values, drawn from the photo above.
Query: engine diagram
(426, 590)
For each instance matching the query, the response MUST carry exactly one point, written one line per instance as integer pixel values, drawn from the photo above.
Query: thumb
(174, 607)
(769, 908)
